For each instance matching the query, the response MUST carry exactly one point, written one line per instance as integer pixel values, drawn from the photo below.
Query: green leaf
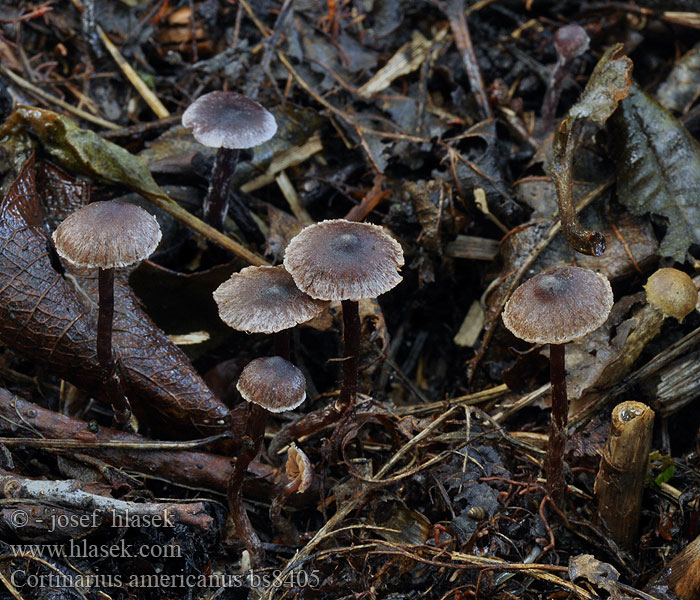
(658, 169)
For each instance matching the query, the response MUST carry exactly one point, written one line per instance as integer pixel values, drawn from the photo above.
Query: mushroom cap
(106, 235)
(298, 466)
(571, 41)
(344, 260)
(273, 383)
(229, 120)
(559, 305)
(672, 292)
(264, 300)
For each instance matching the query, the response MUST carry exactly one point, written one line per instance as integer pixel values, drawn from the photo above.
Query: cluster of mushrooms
(334, 260)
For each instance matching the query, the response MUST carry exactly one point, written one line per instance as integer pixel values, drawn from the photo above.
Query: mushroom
(230, 122)
(299, 477)
(672, 292)
(265, 300)
(346, 261)
(555, 307)
(570, 42)
(105, 236)
(270, 384)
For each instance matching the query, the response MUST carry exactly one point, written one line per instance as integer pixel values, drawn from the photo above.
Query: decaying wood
(190, 469)
(623, 466)
(94, 501)
(681, 575)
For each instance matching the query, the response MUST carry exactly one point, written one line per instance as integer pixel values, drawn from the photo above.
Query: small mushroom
(270, 384)
(672, 292)
(555, 307)
(265, 300)
(570, 42)
(346, 261)
(299, 477)
(105, 236)
(230, 122)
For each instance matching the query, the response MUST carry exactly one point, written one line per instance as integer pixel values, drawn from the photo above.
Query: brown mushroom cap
(571, 41)
(273, 383)
(229, 120)
(264, 300)
(344, 260)
(106, 235)
(299, 467)
(672, 292)
(559, 305)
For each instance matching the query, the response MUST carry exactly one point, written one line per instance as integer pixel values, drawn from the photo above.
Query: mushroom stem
(105, 319)
(282, 344)
(286, 528)
(351, 340)
(217, 200)
(554, 460)
(254, 432)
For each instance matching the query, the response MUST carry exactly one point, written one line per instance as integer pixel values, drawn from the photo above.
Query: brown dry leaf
(600, 574)
(606, 356)
(44, 317)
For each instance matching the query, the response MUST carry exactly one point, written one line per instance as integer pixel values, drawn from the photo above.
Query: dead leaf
(600, 574)
(44, 317)
(658, 169)
(609, 83)
(682, 86)
(82, 150)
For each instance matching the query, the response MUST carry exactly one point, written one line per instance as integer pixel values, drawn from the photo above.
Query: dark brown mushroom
(555, 307)
(230, 122)
(105, 236)
(346, 261)
(270, 384)
(265, 300)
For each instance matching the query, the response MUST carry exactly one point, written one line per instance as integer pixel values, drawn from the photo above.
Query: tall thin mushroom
(346, 261)
(105, 236)
(555, 307)
(270, 384)
(230, 122)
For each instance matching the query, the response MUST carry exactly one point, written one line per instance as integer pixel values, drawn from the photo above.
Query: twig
(138, 83)
(114, 444)
(68, 493)
(57, 101)
(454, 9)
(336, 111)
(353, 502)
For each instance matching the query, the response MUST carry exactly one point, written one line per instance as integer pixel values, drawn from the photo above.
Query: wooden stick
(57, 101)
(151, 99)
(620, 479)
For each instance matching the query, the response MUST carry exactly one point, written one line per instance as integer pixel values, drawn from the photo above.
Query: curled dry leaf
(46, 318)
(600, 574)
(658, 169)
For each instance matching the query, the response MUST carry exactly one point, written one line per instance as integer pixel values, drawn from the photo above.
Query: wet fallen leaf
(682, 86)
(51, 319)
(82, 150)
(609, 83)
(658, 169)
